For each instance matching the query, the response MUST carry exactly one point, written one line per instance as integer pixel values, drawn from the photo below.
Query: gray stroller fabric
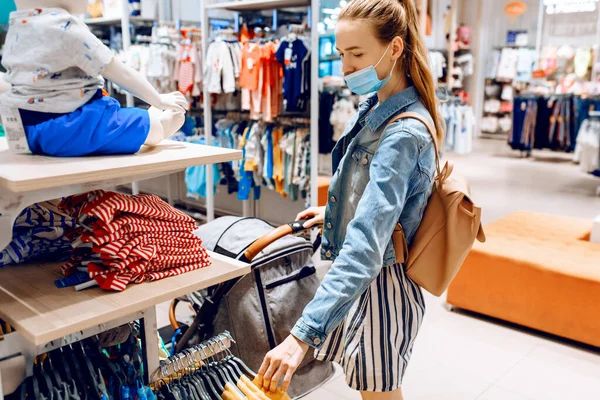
(263, 306)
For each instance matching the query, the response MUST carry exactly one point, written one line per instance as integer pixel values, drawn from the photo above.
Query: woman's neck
(397, 84)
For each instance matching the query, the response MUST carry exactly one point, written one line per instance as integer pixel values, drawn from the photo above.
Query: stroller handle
(261, 243)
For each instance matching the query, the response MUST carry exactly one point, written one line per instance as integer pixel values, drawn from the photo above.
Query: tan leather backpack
(450, 225)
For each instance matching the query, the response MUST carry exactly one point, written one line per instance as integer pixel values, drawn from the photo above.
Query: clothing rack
(248, 6)
(192, 356)
(596, 115)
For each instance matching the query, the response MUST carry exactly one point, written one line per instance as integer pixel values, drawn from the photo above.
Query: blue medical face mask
(366, 81)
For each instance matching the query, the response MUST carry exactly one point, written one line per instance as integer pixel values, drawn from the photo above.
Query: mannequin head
(73, 6)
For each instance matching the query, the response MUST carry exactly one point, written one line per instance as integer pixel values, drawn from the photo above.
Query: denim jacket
(370, 192)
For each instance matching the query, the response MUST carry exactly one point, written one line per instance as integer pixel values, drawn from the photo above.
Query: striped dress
(375, 341)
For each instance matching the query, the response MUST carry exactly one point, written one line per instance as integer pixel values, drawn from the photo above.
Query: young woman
(367, 312)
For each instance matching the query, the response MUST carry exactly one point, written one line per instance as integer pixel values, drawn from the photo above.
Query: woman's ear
(397, 48)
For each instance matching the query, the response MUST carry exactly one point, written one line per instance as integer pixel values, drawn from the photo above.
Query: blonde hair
(392, 18)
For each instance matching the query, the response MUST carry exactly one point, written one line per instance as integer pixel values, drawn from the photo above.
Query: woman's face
(359, 48)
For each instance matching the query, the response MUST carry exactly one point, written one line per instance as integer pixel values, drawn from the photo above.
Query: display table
(595, 237)
(45, 317)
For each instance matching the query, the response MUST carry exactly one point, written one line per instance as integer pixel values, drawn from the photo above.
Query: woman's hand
(315, 216)
(282, 360)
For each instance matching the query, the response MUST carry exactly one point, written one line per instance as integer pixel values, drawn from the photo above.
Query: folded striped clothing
(39, 233)
(132, 239)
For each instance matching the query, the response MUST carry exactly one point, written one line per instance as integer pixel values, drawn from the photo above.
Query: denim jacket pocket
(362, 159)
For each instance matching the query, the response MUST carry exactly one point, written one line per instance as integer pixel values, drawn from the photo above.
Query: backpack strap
(430, 129)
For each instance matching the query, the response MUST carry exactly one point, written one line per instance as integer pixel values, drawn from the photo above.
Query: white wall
(187, 10)
(577, 29)
(498, 23)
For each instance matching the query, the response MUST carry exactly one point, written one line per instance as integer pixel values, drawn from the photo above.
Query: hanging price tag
(15, 132)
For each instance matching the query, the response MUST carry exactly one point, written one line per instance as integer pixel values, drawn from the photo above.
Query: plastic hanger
(204, 373)
(80, 382)
(221, 369)
(194, 379)
(59, 362)
(200, 387)
(247, 371)
(24, 388)
(39, 373)
(211, 389)
(227, 365)
(35, 385)
(94, 382)
(48, 366)
(192, 361)
(95, 352)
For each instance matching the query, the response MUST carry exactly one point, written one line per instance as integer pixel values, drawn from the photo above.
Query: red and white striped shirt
(135, 239)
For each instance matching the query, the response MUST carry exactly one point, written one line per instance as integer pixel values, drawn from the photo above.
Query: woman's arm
(367, 237)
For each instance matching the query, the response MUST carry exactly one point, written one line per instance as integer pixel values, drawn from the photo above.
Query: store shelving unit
(118, 21)
(45, 317)
(257, 5)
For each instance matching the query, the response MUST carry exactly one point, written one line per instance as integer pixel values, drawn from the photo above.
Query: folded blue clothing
(100, 127)
(73, 280)
(38, 233)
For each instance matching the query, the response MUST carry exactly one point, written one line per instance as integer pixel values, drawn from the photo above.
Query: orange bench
(535, 270)
(323, 184)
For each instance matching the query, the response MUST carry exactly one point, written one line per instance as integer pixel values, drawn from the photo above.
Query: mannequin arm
(137, 84)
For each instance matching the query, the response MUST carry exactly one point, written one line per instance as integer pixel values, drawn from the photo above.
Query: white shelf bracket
(149, 332)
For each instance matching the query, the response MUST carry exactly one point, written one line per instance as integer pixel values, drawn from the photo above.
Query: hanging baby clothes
(278, 159)
(343, 110)
(587, 151)
(189, 69)
(247, 174)
(272, 87)
(292, 55)
(507, 68)
(162, 66)
(195, 177)
(261, 80)
(219, 67)
(250, 74)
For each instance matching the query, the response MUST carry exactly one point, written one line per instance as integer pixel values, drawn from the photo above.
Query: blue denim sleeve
(367, 236)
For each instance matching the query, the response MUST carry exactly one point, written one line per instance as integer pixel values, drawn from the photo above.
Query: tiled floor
(464, 357)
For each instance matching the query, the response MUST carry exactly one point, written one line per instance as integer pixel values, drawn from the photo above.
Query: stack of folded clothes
(131, 239)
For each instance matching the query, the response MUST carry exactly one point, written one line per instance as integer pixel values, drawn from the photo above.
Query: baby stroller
(259, 309)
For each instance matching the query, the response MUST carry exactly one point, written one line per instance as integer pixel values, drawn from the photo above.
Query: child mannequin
(55, 67)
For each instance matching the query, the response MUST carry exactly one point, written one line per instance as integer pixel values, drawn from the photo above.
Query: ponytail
(416, 67)
(392, 18)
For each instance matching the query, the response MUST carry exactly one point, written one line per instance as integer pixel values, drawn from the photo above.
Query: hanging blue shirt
(195, 177)
(292, 56)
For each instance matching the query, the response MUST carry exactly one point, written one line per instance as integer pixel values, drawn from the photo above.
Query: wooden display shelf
(117, 21)
(23, 173)
(249, 5)
(42, 313)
